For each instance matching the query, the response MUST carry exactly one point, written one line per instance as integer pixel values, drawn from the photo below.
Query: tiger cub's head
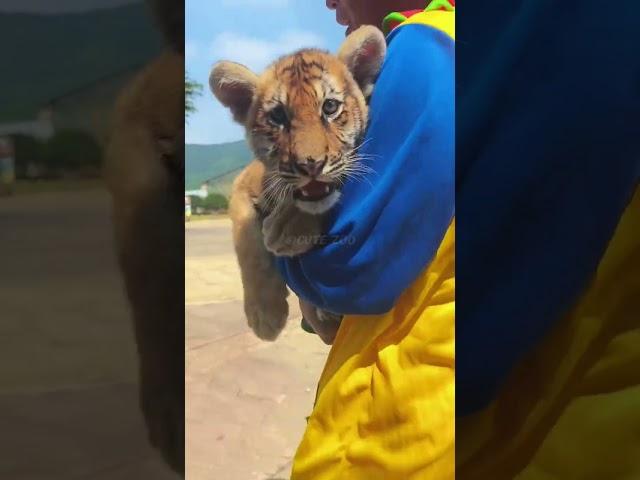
(305, 116)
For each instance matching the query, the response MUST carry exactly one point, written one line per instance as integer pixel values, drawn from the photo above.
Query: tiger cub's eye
(278, 116)
(330, 106)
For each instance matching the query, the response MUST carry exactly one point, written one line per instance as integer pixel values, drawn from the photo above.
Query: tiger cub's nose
(310, 167)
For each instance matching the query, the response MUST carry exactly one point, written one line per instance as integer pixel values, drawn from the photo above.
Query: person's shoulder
(415, 43)
(443, 20)
(418, 57)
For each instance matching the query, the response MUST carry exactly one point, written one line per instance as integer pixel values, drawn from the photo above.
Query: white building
(203, 192)
(41, 127)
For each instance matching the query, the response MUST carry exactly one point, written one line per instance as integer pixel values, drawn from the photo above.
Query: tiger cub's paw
(267, 321)
(289, 235)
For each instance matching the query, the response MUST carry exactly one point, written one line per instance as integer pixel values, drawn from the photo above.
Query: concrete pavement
(246, 400)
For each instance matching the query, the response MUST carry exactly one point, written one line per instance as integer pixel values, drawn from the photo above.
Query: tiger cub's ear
(363, 52)
(234, 85)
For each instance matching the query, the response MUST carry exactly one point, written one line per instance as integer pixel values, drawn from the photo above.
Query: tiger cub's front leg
(265, 292)
(288, 231)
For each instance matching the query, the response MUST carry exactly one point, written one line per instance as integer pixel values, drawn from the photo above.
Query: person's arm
(390, 224)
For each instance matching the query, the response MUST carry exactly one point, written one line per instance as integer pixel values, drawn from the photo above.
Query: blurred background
(63, 71)
(68, 363)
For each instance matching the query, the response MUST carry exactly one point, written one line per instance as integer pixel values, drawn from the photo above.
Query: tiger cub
(305, 118)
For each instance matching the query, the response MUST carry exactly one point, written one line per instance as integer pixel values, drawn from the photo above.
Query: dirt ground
(247, 400)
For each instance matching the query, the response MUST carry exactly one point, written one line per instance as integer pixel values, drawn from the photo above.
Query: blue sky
(252, 32)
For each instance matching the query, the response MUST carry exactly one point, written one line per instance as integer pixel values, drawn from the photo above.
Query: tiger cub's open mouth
(316, 197)
(314, 191)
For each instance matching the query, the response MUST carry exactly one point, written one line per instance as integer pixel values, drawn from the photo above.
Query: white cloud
(255, 3)
(257, 53)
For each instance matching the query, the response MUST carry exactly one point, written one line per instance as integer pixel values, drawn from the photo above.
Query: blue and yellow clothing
(385, 401)
(570, 409)
(547, 327)
(546, 163)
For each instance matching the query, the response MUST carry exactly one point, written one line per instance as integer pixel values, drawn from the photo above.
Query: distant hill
(50, 55)
(220, 162)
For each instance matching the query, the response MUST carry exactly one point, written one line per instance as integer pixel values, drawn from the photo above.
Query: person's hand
(325, 325)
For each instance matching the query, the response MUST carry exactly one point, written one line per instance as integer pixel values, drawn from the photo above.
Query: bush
(29, 152)
(71, 150)
(213, 201)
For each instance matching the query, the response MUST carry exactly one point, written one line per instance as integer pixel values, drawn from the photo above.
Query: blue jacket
(390, 224)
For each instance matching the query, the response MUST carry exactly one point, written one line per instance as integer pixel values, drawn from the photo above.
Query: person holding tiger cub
(550, 391)
(385, 401)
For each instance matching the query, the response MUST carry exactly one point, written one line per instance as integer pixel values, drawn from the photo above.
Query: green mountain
(218, 164)
(51, 55)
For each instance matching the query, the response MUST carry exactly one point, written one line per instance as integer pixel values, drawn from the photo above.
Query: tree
(213, 202)
(73, 150)
(28, 151)
(192, 89)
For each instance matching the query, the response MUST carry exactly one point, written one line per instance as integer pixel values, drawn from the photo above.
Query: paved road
(68, 395)
(247, 400)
